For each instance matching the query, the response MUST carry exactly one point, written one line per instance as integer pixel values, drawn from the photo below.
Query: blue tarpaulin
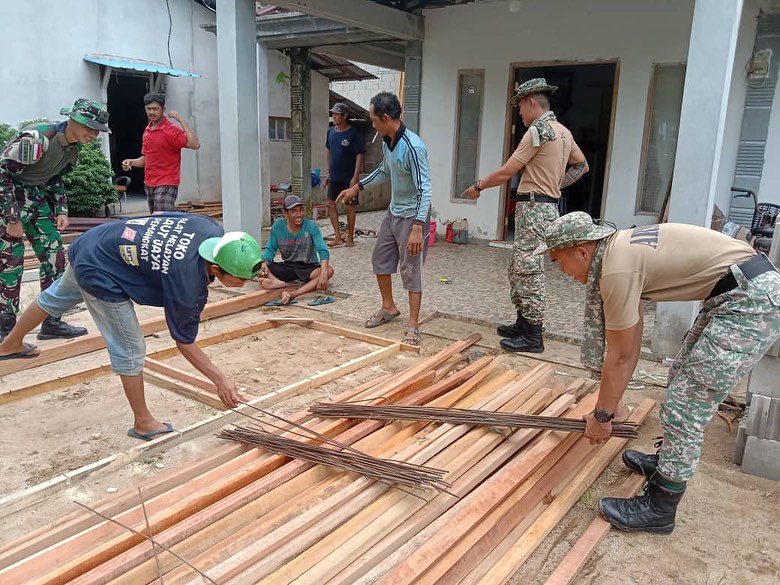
(129, 64)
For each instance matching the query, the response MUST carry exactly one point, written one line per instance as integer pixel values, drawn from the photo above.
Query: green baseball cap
(572, 230)
(92, 114)
(237, 253)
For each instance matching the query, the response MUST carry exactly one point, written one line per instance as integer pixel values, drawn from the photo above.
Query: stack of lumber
(208, 208)
(276, 208)
(240, 515)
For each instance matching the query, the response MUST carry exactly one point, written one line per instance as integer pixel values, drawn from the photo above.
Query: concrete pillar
(262, 103)
(710, 63)
(238, 116)
(412, 85)
(300, 112)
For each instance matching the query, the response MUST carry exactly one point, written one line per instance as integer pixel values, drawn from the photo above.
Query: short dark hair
(542, 98)
(151, 98)
(386, 103)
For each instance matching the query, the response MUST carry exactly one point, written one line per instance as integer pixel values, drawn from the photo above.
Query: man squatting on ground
(305, 255)
(542, 155)
(33, 203)
(739, 320)
(160, 158)
(166, 260)
(345, 162)
(403, 235)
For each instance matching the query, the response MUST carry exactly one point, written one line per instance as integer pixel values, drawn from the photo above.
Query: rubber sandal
(321, 300)
(131, 432)
(380, 318)
(412, 337)
(28, 352)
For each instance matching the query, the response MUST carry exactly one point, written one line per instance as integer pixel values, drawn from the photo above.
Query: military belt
(535, 197)
(751, 268)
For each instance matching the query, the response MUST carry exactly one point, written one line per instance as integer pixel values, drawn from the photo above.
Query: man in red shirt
(161, 153)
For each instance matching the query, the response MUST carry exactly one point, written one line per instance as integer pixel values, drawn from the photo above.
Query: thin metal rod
(151, 535)
(142, 535)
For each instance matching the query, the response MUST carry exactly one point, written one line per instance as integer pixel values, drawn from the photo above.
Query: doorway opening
(584, 104)
(125, 94)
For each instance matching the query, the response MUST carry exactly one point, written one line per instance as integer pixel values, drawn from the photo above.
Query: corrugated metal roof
(338, 69)
(136, 65)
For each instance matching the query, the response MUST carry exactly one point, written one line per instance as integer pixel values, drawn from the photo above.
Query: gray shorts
(390, 251)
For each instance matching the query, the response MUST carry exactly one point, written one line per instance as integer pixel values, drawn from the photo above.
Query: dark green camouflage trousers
(731, 333)
(526, 271)
(39, 226)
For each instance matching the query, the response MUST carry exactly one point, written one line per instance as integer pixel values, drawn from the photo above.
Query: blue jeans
(117, 322)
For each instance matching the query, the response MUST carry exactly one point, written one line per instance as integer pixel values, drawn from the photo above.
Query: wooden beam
(184, 389)
(578, 555)
(363, 14)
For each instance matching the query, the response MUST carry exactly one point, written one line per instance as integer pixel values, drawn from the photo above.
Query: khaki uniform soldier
(544, 153)
(739, 320)
(33, 203)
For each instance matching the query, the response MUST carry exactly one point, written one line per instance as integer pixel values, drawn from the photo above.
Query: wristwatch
(603, 416)
(13, 218)
(477, 188)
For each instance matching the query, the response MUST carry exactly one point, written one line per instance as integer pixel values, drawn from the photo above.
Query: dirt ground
(727, 522)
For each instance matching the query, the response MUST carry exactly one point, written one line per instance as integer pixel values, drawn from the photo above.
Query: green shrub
(89, 185)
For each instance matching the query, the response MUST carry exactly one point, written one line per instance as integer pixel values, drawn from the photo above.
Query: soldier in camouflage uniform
(739, 320)
(544, 153)
(33, 203)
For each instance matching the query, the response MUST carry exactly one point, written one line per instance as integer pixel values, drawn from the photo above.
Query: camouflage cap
(535, 85)
(91, 114)
(571, 230)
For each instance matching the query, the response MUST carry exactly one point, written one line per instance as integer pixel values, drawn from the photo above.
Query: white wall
(770, 179)
(488, 36)
(49, 72)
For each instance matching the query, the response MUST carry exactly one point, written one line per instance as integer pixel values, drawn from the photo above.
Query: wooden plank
(94, 341)
(522, 549)
(351, 333)
(184, 389)
(109, 552)
(571, 463)
(163, 368)
(578, 555)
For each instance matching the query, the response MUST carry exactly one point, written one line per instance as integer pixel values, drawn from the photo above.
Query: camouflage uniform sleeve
(57, 186)
(8, 204)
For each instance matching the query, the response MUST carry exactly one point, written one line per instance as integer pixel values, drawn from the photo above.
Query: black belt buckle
(750, 268)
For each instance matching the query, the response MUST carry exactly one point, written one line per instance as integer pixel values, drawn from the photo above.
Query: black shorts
(336, 187)
(290, 271)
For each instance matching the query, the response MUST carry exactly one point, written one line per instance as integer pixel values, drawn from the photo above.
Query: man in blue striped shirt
(403, 236)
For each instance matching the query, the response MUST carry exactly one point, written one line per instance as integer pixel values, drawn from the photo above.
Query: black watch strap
(603, 416)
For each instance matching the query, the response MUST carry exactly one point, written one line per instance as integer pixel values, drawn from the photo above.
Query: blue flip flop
(26, 353)
(131, 432)
(321, 300)
(279, 303)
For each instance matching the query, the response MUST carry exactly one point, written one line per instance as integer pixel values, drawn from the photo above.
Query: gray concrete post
(238, 116)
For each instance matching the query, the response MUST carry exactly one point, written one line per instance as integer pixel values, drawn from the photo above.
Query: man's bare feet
(20, 350)
(350, 243)
(335, 243)
(150, 425)
(286, 298)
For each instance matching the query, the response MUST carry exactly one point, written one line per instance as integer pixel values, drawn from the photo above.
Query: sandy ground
(727, 522)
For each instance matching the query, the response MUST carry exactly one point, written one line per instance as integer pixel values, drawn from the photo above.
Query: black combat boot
(653, 511)
(641, 463)
(54, 328)
(515, 329)
(530, 342)
(7, 322)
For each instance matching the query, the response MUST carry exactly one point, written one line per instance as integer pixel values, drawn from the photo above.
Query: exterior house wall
(498, 38)
(362, 91)
(48, 72)
(770, 180)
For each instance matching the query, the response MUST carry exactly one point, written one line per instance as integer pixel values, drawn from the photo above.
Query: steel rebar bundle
(385, 470)
(461, 416)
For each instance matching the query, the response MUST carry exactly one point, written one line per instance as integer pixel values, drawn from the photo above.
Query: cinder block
(762, 458)
(765, 378)
(758, 414)
(739, 445)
